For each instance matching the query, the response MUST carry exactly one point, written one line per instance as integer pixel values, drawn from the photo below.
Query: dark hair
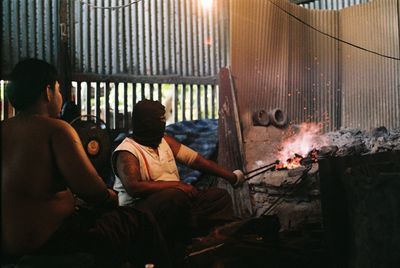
(28, 79)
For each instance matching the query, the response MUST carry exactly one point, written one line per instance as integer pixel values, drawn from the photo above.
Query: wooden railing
(112, 99)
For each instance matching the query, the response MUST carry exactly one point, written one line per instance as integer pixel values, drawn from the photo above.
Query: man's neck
(36, 110)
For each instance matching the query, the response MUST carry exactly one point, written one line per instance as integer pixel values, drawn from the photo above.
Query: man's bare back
(43, 166)
(35, 197)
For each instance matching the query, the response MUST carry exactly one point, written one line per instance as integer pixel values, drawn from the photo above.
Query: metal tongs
(263, 169)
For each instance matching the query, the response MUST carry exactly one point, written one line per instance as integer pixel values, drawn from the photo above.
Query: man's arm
(77, 170)
(203, 164)
(129, 172)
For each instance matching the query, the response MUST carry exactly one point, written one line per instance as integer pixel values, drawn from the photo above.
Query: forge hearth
(292, 194)
(296, 202)
(361, 209)
(353, 191)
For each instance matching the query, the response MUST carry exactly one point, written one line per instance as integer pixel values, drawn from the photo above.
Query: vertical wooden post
(64, 63)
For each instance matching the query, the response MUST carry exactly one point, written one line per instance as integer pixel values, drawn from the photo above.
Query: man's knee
(168, 201)
(173, 195)
(219, 195)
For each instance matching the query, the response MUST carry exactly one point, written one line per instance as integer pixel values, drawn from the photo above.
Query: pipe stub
(278, 118)
(261, 118)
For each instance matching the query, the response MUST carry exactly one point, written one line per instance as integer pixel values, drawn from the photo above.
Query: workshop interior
(302, 95)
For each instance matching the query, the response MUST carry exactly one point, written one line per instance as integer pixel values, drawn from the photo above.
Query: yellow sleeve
(186, 155)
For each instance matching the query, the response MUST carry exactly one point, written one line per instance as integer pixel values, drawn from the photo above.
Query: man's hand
(190, 190)
(239, 178)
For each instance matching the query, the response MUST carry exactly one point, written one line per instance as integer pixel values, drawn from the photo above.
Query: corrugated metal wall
(137, 42)
(29, 29)
(277, 61)
(147, 38)
(333, 4)
(313, 68)
(151, 37)
(280, 62)
(371, 83)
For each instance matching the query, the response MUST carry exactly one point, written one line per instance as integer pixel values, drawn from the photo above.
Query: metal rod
(254, 170)
(258, 173)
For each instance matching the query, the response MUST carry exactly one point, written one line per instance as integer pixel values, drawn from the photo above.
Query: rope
(110, 7)
(331, 36)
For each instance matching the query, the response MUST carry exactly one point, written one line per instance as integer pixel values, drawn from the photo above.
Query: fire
(290, 163)
(298, 146)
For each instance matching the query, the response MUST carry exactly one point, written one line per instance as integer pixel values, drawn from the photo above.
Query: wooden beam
(298, 2)
(167, 79)
(64, 63)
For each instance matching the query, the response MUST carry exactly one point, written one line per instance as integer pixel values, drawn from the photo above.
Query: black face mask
(148, 122)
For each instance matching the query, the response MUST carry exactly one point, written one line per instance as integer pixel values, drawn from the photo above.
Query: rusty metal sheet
(230, 151)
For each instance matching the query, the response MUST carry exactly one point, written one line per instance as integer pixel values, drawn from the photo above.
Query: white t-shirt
(153, 166)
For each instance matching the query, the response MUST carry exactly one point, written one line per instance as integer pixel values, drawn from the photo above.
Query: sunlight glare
(207, 4)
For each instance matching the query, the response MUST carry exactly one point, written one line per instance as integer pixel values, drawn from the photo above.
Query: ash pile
(360, 142)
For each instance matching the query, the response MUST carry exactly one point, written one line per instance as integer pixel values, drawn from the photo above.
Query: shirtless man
(43, 166)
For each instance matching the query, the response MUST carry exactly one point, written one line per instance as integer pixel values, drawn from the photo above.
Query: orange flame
(299, 145)
(290, 163)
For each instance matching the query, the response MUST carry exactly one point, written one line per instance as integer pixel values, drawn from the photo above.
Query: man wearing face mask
(147, 176)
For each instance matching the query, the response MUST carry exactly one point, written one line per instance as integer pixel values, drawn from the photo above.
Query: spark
(308, 138)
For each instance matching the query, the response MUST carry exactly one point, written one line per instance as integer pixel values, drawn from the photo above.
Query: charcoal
(350, 131)
(379, 132)
(342, 152)
(327, 151)
(296, 171)
(359, 147)
(381, 139)
(374, 149)
(307, 161)
(394, 136)
(386, 147)
(356, 142)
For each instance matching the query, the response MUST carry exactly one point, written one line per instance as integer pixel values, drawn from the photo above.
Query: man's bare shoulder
(52, 128)
(59, 129)
(36, 123)
(59, 124)
(38, 120)
(63, 131)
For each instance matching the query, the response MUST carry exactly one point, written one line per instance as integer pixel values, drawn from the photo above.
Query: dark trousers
(211, 207)
(113, 236)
